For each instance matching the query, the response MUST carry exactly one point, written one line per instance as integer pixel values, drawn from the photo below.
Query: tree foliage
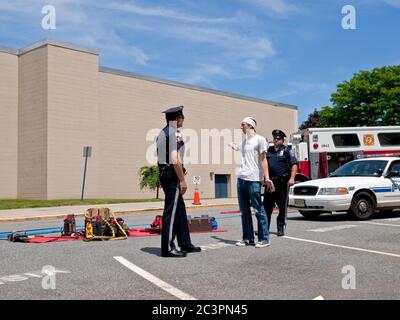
(312, 121)
(149, 178)
(370, 98)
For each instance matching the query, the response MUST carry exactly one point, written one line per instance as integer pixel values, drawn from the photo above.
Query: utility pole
(87, 153)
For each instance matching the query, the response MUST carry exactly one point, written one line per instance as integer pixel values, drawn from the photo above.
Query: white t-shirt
(251, 149)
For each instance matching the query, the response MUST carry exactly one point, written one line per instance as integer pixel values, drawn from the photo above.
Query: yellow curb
(136, 211)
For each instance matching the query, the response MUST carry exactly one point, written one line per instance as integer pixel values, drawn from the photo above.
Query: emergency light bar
(376, 155)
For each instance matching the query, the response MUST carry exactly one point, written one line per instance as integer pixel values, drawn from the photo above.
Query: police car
(360, 188)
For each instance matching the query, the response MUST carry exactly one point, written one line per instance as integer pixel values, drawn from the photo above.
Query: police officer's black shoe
(280, 233)
(190, 248)
(174, 254)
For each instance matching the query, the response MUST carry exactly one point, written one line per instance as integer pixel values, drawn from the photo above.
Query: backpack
(156, 226)
(116, 227)
(214, 224)
(69, 226)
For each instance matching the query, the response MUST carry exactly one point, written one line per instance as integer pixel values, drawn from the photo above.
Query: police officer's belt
(165, 166)
(281, 179)
(167, 172)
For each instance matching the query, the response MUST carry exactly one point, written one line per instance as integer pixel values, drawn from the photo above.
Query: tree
(312, 121)
(149, 178)
(370, 98)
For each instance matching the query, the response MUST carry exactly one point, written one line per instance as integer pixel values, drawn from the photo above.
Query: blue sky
(288, 51)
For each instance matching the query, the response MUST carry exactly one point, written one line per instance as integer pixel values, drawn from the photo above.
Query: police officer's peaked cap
(173, 113)
(278, 134)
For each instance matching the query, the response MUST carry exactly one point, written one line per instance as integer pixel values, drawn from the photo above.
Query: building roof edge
(193, 87)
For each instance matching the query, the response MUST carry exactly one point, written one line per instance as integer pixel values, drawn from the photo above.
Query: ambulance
(321, 151)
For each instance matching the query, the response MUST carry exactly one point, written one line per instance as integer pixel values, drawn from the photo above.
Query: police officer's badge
(178, 136)
(179, 139)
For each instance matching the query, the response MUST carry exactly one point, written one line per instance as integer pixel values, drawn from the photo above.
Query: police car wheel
(309, 214)
(363, 206)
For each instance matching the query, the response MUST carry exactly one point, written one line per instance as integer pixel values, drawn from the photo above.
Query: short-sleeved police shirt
(280, 161)
(168, 140)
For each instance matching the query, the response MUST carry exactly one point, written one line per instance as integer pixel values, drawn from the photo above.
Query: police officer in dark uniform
(282, 171)
(170, 150)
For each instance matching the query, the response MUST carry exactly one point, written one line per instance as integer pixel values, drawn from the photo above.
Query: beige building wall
(73, 122)
(8, 124)
(57, 100)
(32, 124)
(132, 108)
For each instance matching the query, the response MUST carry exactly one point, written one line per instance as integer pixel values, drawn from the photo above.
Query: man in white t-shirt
(253, 171)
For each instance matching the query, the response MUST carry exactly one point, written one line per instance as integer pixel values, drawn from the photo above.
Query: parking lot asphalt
(332, 258)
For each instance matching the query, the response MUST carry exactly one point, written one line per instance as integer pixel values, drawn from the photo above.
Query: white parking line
(214, 246)
(153, 279)
(319, 298)
(345, 247)
(381, 224)
(392, 219)
(348, 226)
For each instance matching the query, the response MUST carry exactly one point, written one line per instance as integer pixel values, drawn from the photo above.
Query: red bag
(156, 226)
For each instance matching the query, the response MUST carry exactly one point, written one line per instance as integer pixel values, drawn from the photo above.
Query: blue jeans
(249, 194)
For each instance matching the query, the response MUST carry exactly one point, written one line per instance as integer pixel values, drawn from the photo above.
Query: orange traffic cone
(196, 200)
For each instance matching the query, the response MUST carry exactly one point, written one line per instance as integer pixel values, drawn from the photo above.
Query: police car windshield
(365, 168)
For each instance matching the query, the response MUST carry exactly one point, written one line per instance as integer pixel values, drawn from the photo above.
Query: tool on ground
(101, 224)
(18, 236)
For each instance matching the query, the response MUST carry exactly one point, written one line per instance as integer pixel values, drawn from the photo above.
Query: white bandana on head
(251, 121)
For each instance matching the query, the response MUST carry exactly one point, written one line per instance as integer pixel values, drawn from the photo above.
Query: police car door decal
(393, 198)
(396, 184)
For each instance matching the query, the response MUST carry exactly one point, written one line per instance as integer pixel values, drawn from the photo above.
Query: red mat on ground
(141, 232)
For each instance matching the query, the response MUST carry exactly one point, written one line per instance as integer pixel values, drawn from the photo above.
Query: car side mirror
(379, 172)
(393, 174)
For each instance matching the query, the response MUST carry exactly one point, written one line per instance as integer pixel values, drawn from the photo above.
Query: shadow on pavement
(227, 241)
(322, 218)
(344, 217)
(152, 250)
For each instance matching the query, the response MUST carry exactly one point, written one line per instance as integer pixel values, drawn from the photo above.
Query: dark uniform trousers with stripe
(280, 198)
(174, 221)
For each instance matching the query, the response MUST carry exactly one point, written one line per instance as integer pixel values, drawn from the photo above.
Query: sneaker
(242, 243)
(262, 244)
